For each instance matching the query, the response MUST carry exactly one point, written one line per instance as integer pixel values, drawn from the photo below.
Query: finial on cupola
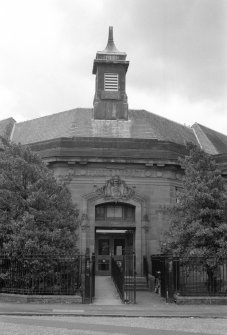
(111, 47)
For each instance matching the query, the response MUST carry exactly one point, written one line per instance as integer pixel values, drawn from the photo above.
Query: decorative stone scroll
(115, 189)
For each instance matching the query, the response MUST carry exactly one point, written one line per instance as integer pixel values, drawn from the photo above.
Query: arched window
(115, 211)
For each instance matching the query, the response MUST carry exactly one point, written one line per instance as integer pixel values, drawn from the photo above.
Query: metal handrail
(124, 276)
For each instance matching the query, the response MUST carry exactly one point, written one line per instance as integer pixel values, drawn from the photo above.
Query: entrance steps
(141, 283)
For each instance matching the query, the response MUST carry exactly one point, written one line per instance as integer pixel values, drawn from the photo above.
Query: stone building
(121, 164)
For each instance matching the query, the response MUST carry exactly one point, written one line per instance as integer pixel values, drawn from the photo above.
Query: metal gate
(124, 277)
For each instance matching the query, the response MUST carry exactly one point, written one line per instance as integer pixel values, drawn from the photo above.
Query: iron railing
(45, 275)
(189, 277)
(92, 280)
(124, 277)
(197, 277)
(117, 273)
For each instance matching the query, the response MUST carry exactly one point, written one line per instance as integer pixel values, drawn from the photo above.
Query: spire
(110, 44)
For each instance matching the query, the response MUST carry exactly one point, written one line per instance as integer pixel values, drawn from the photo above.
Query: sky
(177, 51)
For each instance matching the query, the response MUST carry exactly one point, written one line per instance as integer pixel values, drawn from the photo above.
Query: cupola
(110, 67)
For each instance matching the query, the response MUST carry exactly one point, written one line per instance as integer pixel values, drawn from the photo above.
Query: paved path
(106, 292)
(148, 305)
(157, 308)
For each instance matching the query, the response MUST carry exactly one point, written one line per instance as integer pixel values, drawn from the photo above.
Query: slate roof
(141, 124)
(210, 140)
(80, 123)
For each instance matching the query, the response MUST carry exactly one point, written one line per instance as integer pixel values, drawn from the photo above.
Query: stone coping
(40, 299)
(200, 300)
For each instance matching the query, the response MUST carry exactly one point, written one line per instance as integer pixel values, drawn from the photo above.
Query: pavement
(148, 305)
(107, 303)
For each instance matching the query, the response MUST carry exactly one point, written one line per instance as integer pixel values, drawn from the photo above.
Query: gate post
(134, 277)
(92, 276)
(87, 275)
(169, 278)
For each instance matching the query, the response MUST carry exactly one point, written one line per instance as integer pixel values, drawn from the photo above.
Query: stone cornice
(83, 150)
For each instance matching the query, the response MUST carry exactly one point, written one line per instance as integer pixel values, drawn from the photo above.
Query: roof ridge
(201, 125)
(162, 117)
(211, 148)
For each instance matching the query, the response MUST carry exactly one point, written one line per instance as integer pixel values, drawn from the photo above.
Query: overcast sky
(177, 51)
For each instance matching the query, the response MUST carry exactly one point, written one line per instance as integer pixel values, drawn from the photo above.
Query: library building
(121, 164)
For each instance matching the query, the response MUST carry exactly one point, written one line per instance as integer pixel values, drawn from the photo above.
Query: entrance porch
(112, 243)
(114, 228)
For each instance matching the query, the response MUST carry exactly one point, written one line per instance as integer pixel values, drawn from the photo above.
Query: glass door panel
(119, 250)
(119, 246)
(104, 247)
(103, 256)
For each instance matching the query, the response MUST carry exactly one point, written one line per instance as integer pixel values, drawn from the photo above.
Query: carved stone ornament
(84, 222)
(115, 189)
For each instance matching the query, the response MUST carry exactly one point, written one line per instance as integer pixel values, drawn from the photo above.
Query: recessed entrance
(112, 242)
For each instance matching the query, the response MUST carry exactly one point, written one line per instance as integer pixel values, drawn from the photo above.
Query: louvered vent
(111, 82)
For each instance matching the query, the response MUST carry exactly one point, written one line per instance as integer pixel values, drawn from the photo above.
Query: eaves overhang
(141, 151)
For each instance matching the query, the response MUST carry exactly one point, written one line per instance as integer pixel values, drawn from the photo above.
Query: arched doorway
(114, 234)
(97, 217)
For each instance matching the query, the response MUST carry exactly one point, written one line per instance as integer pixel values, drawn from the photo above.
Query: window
(113, 211)
(110, 81)
(100, 213)
(129, 213)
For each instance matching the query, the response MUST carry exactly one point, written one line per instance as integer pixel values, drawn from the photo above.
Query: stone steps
(141, 284)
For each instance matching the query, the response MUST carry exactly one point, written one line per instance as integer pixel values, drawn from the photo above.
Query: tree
(198, 225)
(198, 222)
(37, 215)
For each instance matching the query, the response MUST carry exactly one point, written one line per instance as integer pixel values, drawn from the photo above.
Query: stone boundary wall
(183, 300)
(40, 299)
